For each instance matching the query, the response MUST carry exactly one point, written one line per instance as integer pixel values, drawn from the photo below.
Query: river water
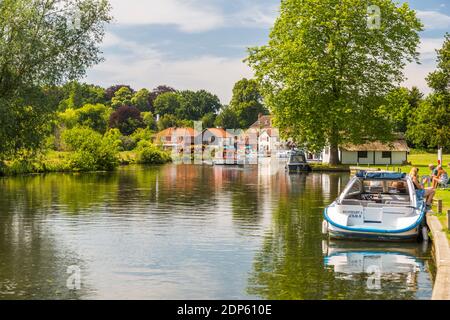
(192, 232)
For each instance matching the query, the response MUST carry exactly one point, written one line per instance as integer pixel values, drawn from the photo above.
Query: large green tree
(227, 119)
(327, 67)
(196, 104)
(42, 43)
(400, 107)
(122, 97)
(247, 102)
(141, 100)
(167, 103)
(76, 95)
(430, 125)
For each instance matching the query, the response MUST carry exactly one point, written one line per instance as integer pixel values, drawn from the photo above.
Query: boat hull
(298, 168)
(339, 234)
(409, 233)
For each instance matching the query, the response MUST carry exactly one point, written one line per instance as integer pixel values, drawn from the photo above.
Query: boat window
(386, 187)
(298, 158)
(355, 189)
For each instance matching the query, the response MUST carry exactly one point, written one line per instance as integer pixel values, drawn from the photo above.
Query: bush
(91, 150)
(92, 116)
(128, 143)
(148, 153)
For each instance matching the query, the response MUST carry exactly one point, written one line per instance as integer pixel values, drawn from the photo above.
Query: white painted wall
(399, 157)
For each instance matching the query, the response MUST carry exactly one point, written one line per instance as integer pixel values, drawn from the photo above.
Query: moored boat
(377, 206)
(297, 162)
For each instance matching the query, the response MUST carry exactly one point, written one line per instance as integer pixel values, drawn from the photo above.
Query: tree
(121, 98)
(168, 103)
(38, 49)
(127, 119)
(196, 104)
(141, 100)
(94, 116)
(149, 120)
(400, 106)
(247, 102)
(78, 94)
(208, 120)
(111, 91)
(430, 126)
(157, 92)
(91, 116)
(168, 121)
(326, 69)
(227, 119)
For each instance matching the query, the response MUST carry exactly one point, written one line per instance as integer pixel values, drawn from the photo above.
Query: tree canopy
(430, 125)
(325, 70)
(247, 102)
(38, 48)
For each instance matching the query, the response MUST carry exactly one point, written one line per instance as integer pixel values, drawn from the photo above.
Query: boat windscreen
(298, 158)
(359, 189)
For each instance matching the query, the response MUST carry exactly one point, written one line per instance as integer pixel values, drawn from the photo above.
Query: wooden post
(448, 219)
(439, 206)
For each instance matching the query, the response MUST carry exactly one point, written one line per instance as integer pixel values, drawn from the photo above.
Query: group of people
(438, 176)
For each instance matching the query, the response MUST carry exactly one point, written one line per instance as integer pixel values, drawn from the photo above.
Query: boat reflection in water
(400, 266)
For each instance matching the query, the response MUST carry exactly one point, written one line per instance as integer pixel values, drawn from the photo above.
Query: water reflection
(178, 232)
(398, 267)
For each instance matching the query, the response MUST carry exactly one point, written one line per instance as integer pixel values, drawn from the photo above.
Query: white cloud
(255, 16)
(188, 16)
(434, 20)
(146, 67)
(428, 47)
(417, 73)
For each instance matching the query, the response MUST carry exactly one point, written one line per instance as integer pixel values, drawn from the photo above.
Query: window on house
(363, 154)
(386, 154)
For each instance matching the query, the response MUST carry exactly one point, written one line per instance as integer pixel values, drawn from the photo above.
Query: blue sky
(200, 44)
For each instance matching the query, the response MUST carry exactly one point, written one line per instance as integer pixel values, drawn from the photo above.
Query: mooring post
(439, 206)
(448, 219)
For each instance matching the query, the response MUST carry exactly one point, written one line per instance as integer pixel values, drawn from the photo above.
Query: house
(263, 122)
(268, 137)
(217, 137)
(372, 153)
(176, 138)
(269, 141)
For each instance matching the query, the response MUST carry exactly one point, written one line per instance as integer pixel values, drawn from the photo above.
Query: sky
(201, 44)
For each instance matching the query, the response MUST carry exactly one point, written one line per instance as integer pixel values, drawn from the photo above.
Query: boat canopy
(381, 175)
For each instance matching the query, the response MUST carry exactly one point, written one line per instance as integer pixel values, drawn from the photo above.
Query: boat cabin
(377, 189)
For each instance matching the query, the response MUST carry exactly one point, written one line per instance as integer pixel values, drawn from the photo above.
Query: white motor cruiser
(377, 206)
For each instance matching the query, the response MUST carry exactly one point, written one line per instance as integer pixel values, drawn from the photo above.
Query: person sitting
(440, 178)
(421, 192)
(429, 179)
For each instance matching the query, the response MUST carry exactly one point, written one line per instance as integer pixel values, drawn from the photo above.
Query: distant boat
(377, 206)
(297, 162)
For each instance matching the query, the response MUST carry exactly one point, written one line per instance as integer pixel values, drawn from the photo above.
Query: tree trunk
(334, 155)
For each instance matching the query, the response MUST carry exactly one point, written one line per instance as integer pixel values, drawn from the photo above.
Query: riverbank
(59, 162)
(441, 250)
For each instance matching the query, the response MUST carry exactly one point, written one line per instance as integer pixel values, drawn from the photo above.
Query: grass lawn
(444, 195)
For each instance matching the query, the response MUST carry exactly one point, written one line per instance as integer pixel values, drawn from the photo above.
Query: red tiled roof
(263, 122)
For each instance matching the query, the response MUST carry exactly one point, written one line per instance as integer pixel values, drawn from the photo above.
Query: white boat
(377, 206)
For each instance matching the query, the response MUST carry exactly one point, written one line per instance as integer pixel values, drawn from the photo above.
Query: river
(192, 232)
